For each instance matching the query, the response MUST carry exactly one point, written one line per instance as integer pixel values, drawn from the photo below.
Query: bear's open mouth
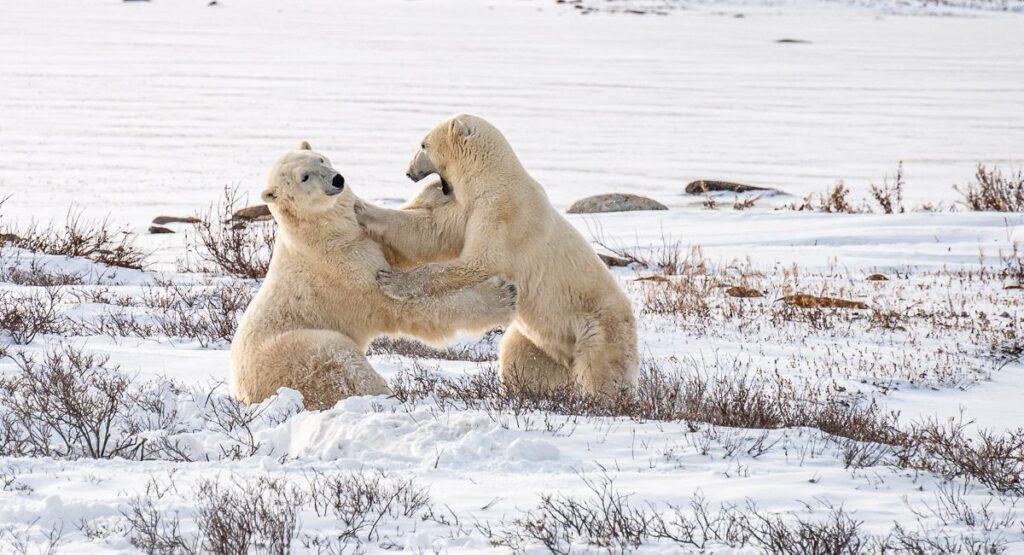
(446, 189)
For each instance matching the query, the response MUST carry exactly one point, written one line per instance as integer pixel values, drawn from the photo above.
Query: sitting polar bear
(320, 305)
(488, 217)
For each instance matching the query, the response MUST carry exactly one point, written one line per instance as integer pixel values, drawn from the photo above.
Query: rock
(1011, 287)
(743, 292)
(793, 41)
(613, 261)
(876, 277)
(164, 220)
(257, 213)
(713, 186)
(157, 229)
(655, 277)
(811, 301)
(614, 202)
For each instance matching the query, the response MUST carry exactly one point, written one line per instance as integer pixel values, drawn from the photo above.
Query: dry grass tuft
(77, 237)
(217, 244)
(26, 315)
(890, 195)
(834, 200)
(992, 191)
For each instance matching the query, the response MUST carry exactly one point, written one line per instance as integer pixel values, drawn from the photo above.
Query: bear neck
(488, 168)
(313, 237)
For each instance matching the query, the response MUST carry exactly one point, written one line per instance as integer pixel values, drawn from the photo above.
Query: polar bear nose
(338, 181)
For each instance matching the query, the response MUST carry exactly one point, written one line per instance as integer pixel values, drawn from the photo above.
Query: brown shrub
(76, 237)
(890, 195)
(992, 191)
(218, 244)
(25, 315)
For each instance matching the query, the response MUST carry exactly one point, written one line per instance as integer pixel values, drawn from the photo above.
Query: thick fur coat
(489, 217)
(320, 304)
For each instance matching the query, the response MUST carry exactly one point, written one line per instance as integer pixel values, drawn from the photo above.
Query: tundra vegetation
(824, 353)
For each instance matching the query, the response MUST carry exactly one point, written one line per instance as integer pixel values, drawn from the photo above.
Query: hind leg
(325, 366)
(525, 368)
(605, 360)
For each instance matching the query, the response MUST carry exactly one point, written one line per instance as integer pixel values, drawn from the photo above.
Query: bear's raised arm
(436, 318)
(429, 228)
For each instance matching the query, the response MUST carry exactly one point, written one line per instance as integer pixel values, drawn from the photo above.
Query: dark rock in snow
(613, 261)
(713, 186)
(157, 230)
(258, 213)
(164, 220)
(614, 202)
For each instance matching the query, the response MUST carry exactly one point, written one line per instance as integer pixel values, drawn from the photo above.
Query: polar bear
(488, 217)
(308, 326)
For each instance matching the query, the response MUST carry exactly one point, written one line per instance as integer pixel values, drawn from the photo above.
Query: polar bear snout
(337, 185)
(420, 166)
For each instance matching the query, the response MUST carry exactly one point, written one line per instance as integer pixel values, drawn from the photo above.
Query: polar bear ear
(460, 128)
(268, 196)
(304, 145)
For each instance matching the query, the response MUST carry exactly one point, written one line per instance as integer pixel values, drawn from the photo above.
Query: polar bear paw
(404, 285)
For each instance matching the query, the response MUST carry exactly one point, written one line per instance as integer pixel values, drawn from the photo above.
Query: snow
(133, 110)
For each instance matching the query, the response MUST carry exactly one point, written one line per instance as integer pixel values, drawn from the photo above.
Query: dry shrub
(69, 404)
(992, 191)
(258, 515)
(25, 315)
(9, 481)
(994, 460)
(255, 516)
(890, 195)
(670, 258)
(745, 203)
(207, 313)
(363, 502)
(609, 520)
(834, 200)
(36, 274)
(262, 514)
(1012, 262)
(219, 244)
(22, 540)
(733, 399)
(96, 240)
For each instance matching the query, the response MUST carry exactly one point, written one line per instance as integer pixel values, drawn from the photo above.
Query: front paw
(507, 293)
(398, 285)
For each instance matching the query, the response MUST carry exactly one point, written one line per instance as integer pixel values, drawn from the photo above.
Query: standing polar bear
(488, 217)
(309, 324)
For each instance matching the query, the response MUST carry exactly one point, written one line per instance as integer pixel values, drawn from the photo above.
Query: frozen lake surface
(148, 107)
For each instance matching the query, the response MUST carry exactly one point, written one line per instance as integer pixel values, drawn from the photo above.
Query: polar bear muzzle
(338, 182)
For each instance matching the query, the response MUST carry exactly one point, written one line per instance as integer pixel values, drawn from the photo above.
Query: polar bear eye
(305, 177)
(423, 146)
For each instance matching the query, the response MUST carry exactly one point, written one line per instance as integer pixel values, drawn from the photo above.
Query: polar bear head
(303, 181)
(460, 149)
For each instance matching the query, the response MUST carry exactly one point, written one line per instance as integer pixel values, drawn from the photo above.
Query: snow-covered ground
(130, 110)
